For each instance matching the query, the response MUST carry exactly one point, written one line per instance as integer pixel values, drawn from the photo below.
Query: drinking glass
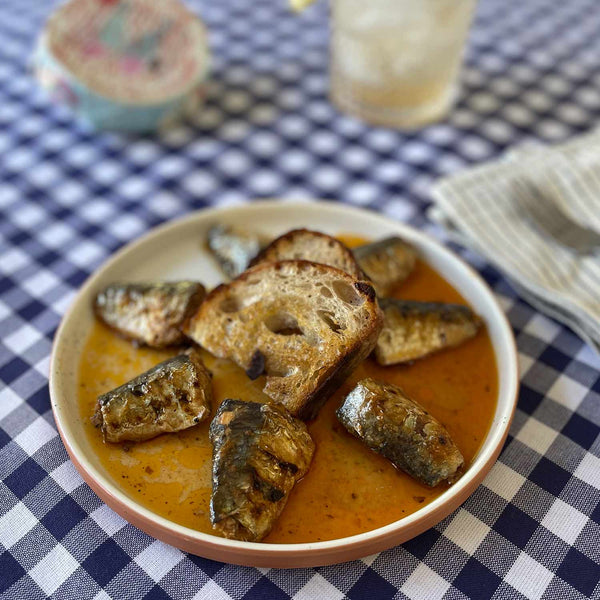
(396, 62)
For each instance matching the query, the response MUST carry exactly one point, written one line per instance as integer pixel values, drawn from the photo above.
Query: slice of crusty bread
(304, 244)
(306, 326)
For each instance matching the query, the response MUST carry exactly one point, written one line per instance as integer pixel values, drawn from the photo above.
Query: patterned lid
(133, 51)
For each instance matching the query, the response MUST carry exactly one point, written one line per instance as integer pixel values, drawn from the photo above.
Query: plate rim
(307, 553)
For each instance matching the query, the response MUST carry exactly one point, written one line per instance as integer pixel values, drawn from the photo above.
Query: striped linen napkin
(482, 209)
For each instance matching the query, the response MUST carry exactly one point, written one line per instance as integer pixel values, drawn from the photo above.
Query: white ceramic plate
(175, 251)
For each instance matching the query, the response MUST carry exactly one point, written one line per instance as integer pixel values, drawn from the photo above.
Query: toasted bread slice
(304, 244)
(306, 326)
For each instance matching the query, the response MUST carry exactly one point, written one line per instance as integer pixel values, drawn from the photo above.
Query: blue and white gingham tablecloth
(70, 197)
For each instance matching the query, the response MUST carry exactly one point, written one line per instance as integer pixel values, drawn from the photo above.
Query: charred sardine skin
(387, 263)
(149, 313)
(392, 424)
(259, 453)
(413, 329)
(173, 395)
(233, 248)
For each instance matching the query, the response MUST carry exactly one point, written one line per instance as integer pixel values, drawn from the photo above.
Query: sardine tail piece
(149, 313)
(259, 453)
(387, 263)
(394, 425)
(413, 329)
(173, 395)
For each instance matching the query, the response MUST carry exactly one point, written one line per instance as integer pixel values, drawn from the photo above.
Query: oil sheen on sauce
(349, 489)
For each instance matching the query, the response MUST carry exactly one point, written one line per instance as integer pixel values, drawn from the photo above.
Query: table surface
(70, 197)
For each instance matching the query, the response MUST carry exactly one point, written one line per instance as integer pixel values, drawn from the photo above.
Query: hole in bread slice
(325, 292)
(348, 293)
(329, 318)
(283, 323)
(230, 305)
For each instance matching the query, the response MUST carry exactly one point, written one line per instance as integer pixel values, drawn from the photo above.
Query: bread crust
(305, 244)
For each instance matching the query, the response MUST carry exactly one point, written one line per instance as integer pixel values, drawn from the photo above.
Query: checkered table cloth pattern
(70, 197)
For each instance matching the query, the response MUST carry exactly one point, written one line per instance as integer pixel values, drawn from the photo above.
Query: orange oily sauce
(349, 489)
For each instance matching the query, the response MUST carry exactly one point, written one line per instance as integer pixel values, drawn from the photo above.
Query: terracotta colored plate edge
(269, 557)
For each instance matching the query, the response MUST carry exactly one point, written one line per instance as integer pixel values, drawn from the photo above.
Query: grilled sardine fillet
(310, 245)
(415, 329)
(173, 395)
(390, 423)
(259, 453)
(149, 313)
(305, 325)
(233, 248)
(387, 263)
